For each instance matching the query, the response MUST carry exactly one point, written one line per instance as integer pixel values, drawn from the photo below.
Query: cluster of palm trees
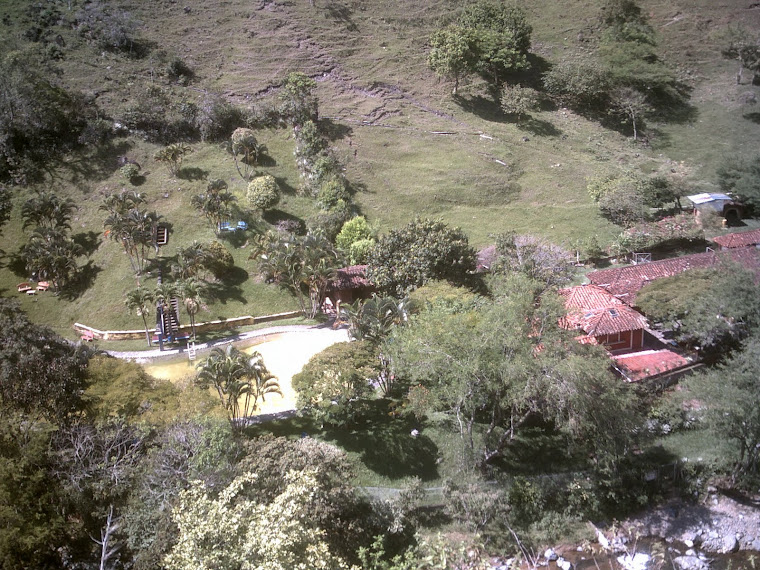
(130, 224)
(215, 204)
(50, 253)
(239, 380)
(144, 302)
(304, 265)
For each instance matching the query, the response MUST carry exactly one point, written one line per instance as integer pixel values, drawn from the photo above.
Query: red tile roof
(625, 282)
(741, 239)
(351, 277)
(637, 366)
(596, 312)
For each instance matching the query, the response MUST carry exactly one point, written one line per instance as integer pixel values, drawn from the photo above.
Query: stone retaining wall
(199, 327)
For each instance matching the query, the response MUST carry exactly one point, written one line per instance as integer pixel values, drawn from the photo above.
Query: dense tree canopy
(40, 373)
(496, 367)
(741, 177)
(489, 38)
(728, 396)
(421, 251)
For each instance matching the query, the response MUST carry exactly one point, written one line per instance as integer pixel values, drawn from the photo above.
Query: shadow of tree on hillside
(17, 265)
(386, 446)
(84, 280)
(539, 127)
(192, 173)
(341, 13)
(754, 117)
(486, 108)
(88, 241)
(287, 221)
(98, 164)
(285, 186)
(228, 289)
(334, 131)
(265, 160)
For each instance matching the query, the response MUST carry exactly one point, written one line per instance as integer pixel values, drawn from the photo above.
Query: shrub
(331, 193)
(358, 253)
(220, 261)
(263, 192)
(130, 172)
(178, 70)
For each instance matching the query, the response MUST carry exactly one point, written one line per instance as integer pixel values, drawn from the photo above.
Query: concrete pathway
(149, 355)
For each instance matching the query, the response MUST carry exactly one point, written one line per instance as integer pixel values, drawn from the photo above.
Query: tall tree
(192, 291)
(235, 376)
(47, 210)
(142, 302)
(302, 264)
(215, 204)
(451, 53)
(728, 397)
(423, 250)
(245, 149)
(233, 528)
(40, 373)
(51, 255)
(298, 103)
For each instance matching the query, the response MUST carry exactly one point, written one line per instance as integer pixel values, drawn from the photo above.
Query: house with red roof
(625, 282)
(600, 315)
(738, 239)
(606, 320)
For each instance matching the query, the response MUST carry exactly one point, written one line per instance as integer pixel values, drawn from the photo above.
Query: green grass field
(387, 113)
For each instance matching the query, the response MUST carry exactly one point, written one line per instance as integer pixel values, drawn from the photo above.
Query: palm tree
(122, 202)
(233, 375)
(190, 261)
(120, 228)
(192, 291)
(216, 203)
(47, 210)
(143, 302)
(172, 156)
(262, 381)
(52, 256)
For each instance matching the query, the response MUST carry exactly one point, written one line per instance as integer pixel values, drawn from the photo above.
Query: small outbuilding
(723, 204)
(349, 284)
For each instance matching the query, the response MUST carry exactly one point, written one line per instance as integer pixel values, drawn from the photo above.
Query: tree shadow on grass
(285, 187)
(334, 131)
(385, 445)
(17, 265)
(537, 450)
(88, 241)
(289, 222)
(539, 127)
(484, 107)
(192, 173)
(96, 165)
(85, 278)
(229, 288)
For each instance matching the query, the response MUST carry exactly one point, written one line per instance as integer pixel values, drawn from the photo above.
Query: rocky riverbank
(717, 525)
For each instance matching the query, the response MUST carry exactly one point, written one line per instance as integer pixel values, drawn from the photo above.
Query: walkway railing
(225, 324)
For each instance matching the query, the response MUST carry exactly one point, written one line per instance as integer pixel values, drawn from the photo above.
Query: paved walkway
(147, 355)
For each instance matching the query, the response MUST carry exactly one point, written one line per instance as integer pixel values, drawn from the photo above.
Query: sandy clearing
(284, 356)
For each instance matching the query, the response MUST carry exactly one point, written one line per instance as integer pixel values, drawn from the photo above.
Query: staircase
(162, 235)
(171, 318)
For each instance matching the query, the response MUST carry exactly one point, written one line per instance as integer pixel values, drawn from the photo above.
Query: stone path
(148, 355)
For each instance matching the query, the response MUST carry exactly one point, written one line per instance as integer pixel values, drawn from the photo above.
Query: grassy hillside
(408, 146)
